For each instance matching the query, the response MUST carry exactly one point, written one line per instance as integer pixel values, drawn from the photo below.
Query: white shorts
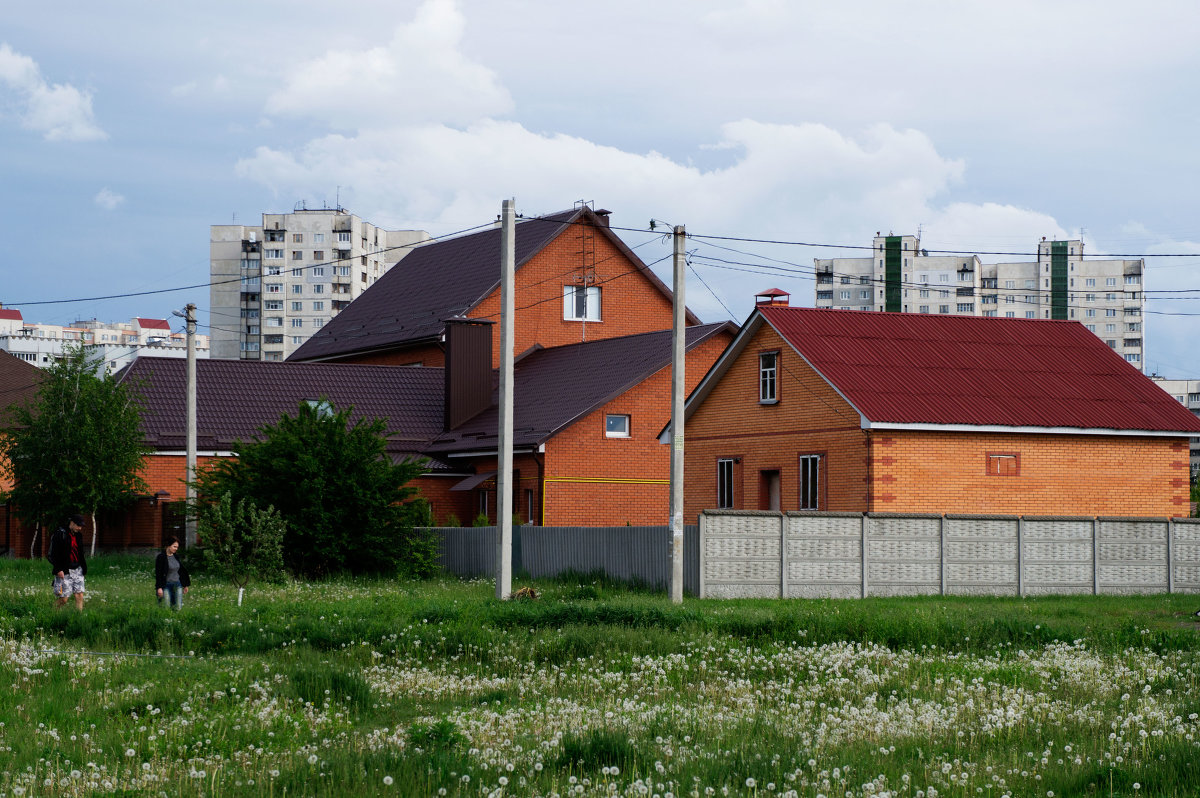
(70, 584)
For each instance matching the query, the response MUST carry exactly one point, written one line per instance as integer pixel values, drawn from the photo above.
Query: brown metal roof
(557, 386)
(439, 280)
(236, 398)
(19, 383)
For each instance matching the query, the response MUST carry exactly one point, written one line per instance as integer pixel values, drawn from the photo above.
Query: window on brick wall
(810, 480)
(768, 367)
(581, 303)
(1003, 464)
(616, 425)
(725, 471)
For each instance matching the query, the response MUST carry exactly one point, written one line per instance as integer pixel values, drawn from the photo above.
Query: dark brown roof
(235, 398)
(440, 280)
(19, 382)
(555, 387)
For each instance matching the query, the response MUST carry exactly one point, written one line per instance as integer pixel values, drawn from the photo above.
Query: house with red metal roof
(817, 409)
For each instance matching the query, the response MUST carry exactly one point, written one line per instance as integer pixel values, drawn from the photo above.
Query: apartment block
(1106, 296)
(275, 284)
(1187, 393)
(117, 343)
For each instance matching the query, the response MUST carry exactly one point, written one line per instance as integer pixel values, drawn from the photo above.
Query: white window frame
(810, 482)
(616, 425)
(725, 486)
(582, 303)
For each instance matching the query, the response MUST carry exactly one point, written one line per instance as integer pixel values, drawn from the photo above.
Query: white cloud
(421, 75)
(108, 200)
(60, 112)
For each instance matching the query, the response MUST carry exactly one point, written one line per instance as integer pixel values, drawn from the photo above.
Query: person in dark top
(67, 562)
(171, 578)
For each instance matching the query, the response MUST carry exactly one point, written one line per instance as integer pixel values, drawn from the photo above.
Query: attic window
(1003, 464)
(322, 406)
(767, 373)
(581, 303)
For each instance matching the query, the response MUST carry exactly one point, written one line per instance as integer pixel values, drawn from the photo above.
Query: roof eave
(1021, 430)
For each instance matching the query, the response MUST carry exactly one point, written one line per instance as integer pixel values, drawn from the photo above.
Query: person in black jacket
(170, 576)
(67, 562)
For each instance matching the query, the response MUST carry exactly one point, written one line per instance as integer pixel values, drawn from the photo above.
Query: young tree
(77, 446)
(241, 541)
(342, 497)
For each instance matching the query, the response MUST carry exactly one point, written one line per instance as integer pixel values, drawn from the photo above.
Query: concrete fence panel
(844, 555)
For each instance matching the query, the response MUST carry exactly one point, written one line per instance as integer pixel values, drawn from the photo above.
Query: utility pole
(678, 353)
(504, 487)
(190, 531)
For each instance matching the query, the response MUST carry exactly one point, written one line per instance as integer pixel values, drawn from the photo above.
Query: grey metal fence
(631, 553)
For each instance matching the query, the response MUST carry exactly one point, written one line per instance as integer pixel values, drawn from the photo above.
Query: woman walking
(171, 578)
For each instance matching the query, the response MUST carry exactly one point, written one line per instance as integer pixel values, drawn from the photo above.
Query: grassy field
(415, 689)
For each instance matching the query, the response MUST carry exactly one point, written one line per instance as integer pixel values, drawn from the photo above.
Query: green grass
(309, 688)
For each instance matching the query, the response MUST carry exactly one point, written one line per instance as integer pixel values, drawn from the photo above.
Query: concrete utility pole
(504, 487)
(678, 354)
(190, 531)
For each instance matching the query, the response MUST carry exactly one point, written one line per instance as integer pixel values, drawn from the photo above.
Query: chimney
(602, 217)
(468, 370)
(772, 296)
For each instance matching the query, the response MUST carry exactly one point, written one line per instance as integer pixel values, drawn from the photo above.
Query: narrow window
(725, 483)
(767, 367)
(810, 473)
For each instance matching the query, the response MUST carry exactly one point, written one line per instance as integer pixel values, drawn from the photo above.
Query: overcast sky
(127, 128)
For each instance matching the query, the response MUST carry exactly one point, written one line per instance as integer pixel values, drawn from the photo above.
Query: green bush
(241, 542)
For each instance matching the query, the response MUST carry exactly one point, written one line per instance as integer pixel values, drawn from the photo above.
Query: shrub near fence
(849, 555)
(639, 554)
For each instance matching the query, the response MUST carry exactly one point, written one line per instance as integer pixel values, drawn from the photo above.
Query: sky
(128, 128)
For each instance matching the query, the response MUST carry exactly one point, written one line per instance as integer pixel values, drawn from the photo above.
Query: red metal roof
(909, 368)
(153, 324)
(13, 314)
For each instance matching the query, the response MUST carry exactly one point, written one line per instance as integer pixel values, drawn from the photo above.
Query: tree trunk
(33, 542)
(95, 531)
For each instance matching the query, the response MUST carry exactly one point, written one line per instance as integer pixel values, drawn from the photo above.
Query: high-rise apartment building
(1107, 296)
(276, 284)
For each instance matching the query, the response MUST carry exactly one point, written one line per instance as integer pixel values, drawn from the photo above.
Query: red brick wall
(165, 472)
(594, 480)
(809, 418)
(1057, 474)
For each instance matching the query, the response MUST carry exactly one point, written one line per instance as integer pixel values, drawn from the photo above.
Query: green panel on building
(893, 274)
(1058, 280)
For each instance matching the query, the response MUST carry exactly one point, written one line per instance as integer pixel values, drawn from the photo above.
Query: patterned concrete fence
(747, 553)
(630, 553)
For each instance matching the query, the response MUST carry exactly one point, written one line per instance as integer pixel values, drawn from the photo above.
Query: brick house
(586, 419)
(575, 281)
(861, 411)
(19, 383)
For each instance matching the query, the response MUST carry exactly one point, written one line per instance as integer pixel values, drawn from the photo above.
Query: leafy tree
(242, 542)
(76, 447)
(340, 494)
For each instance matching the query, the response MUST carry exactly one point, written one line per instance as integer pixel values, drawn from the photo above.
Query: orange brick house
(575, 281)
(586, 420)
(896, 412)
(19, 383)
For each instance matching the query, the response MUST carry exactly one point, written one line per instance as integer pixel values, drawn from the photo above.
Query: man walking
(68, 563)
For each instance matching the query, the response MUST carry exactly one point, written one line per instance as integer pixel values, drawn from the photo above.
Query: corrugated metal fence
(630, 553)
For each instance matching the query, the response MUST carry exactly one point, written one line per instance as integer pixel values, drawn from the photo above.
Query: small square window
(1003, 464)
(616, 425)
